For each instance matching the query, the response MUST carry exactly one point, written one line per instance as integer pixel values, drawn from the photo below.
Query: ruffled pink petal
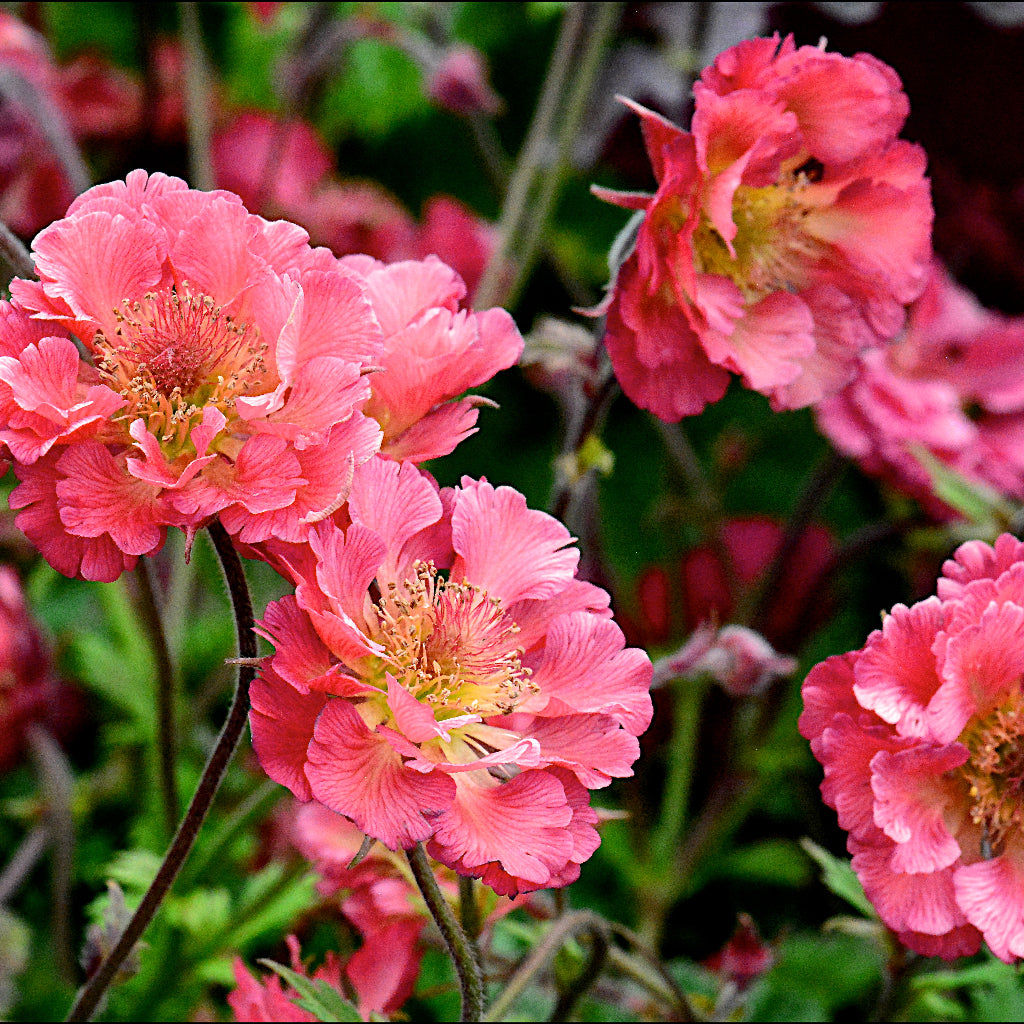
(896, 675)
(360, 775)
(519, 825)
(396, 501)
(438, 433)
(976, 560)
(595, 748)
(402, 292)
(983, 664)
(911, 800)
(282, 721)
(300, 654)
(951, 945)
(991, 894)
(506, 549)
(89, 558)
(94, 261)
(347, 563)
(96, 496)
(657, 356)
(587, 668)
(827, 692)
(921, 903)
(325, 392)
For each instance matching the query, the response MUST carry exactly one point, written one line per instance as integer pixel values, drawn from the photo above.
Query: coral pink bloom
(227, 365)
(952, 386)
(441, 676)
(921, 734)
(789, 229)
(269, 1000)
(433, 352)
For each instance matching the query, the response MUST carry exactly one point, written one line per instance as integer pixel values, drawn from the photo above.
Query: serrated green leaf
(316, 996)
(839, 877)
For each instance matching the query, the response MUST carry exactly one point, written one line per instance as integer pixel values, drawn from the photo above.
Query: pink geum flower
(441, 676)
(789, 229)
(226, 366)
(267, 999)
(921, 735)
(433, 352)
(951, 386)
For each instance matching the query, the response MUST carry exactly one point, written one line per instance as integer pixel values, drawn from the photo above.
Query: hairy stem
(209, 783)
(197, 99)
(460, 948)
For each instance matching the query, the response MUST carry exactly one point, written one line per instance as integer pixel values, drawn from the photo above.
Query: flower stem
(198, 90)
(14, 254)
(543, 953)
(537, 177)
(209, 783)
(460, 949)
(167, 743)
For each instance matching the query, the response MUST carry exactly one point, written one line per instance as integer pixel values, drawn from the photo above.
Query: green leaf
(316, 996)
(839, 877)
(201, 911)
(774, 861)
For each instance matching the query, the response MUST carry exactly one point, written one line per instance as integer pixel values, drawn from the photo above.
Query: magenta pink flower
(433, 352)
(789, 229)
(441, 676)
(951, 386)
(921, 736)
(227, 367)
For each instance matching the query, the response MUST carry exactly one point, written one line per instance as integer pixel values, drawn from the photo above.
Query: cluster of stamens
(772, 248)
(174, 353)
(451, 645)
(994, 772)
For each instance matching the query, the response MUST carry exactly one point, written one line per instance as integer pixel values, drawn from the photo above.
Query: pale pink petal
(282, 721)
(360, 775)
(508, 550)
(911, 800)
(991, 894)
(520, 825)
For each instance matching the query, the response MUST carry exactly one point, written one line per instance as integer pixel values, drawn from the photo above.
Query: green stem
(460, 948)
(593, 38)
(687, 701)
(543, 953)
(587, 977)
(15, 255)
(663, 986)
(58, 789)
(167, 742)
(198, 89)
(531, 160)
(25, 858)
(209, 783)
(469, 910)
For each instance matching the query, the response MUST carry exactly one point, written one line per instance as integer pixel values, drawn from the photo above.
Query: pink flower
(269, 1000)
(227, 366)
(952, 386)
(459, 83)
(433, 352)
(789, 229)
(441, 676)
(920, 735)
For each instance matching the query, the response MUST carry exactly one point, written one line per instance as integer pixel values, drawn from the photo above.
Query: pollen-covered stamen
(994, 771)
(772, 246)
(175, 352)
(452, 646)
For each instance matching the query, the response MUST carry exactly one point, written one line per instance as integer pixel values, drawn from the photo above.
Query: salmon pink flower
(441, 675)
(951, 386)
(226, 367)
(921, 735)
(433, 352)
(789, 229)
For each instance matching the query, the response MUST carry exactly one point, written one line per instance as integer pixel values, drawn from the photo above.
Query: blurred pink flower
(952, 385)
(789, 229)
(458, 82)
(254, 999)
(433, 352)
(29, 691)
(285, 170)
(227, 369)
(471, 710)
(921, 736)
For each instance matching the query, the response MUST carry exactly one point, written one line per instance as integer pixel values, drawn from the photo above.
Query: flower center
(451, 645)
(772, 248)
(174, 353)
(994, 771)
